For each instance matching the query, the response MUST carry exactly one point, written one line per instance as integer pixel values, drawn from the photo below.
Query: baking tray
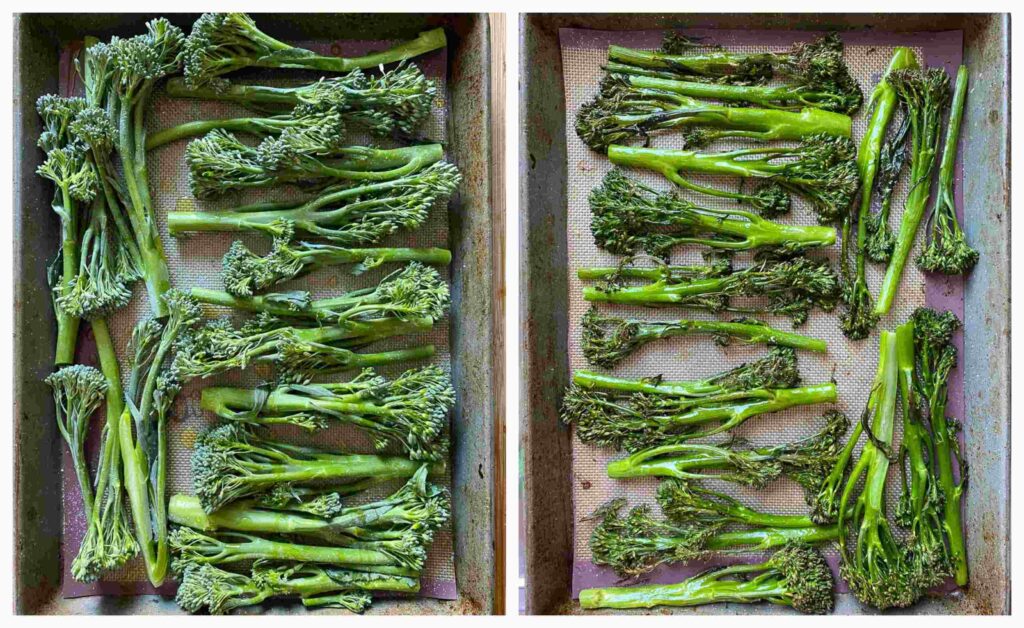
(475, 337)
(544, 280)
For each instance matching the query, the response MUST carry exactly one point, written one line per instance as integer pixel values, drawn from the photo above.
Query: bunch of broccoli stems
(665, 425)
(282, 506)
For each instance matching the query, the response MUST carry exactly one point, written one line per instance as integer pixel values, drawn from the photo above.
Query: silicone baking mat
(195, 260)
(851, 364)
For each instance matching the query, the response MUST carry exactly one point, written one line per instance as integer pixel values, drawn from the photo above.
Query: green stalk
(757, 540)
(706, 588)
(745, 332)
(734, 415)
(187, 511)
(687, 459)
(710, 64)
(924, 126)
(255, 126)
(256, 548)
(884, 101)
(136, 481)
(425, 42)
(764, 95)
(67, 325)
(590, 379)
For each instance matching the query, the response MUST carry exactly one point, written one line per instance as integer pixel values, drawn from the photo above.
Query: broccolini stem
(424, 43)
(109, 473)
(883, 98)
(67, 325)
(768, 538)
(589, 379)
(746, 332)
(801, 97)
(733, 415)
(692, 592)
(257, 126)
(255, 548)
(711, 64)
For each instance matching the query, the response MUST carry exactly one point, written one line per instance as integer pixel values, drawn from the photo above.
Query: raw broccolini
(415, 292)
(219, 591)
(246, 273)
(630, 217)
(822, 169)
(411, 410)
(221, 43)
(219, 162)
(398, 100)
(815, 67)
(345, 214)
(120, 78)
(785, 98)
(935, 357)
(297, 350)
(153, 385)
(230, 463)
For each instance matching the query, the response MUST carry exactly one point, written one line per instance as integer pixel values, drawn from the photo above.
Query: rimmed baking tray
(474, 336)
(543, 166)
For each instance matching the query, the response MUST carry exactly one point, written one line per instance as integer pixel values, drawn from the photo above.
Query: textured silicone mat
(850, 364)
(195, 261)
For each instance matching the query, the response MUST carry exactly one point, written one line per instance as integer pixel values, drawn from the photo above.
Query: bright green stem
(67, 325)
(817, 120)
(325, 255)
(659, 292)
(109, 473)
(746, 332)
(425, 42)
(949, 149)
(703, 589)
(590, 379)
(186, 510)
(732, 415)
(707, 64)
(255, 548)
(256, 126)
(227, 402)
(884, 101)
(136, 481)
(670, 162)
(756, 540)
(678, 460)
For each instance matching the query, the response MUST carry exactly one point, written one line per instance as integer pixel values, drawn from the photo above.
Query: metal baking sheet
(547, 479)
(470, 331)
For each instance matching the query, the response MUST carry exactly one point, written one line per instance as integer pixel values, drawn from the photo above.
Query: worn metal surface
(543, 172)
(474, 339)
